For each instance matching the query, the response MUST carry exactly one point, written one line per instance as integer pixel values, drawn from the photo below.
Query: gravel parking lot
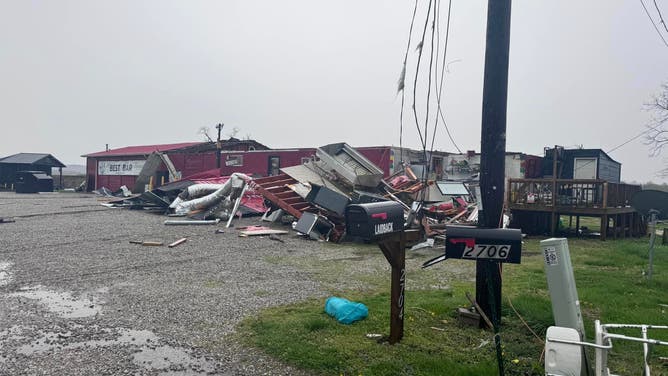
(76, 298)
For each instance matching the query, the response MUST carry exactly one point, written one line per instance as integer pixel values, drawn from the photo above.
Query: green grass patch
(611, 284)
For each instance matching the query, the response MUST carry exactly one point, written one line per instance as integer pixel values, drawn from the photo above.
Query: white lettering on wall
(119, 167)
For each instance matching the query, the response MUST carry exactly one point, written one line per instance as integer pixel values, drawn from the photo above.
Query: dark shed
(582, 164)
(33, 182)
(9, 166)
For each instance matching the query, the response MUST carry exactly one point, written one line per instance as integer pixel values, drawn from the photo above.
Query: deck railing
(576, 193)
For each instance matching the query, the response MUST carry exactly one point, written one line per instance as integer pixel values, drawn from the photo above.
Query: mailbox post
(383, 222)
(492, 246)
(394, 250)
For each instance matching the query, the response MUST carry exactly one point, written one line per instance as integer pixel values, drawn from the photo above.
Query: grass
(611, 287)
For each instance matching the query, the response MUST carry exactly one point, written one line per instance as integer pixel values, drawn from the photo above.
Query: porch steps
(275, 189)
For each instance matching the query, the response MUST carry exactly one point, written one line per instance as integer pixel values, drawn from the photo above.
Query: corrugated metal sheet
(142, 150)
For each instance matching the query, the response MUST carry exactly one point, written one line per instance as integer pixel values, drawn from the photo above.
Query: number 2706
(487, 251)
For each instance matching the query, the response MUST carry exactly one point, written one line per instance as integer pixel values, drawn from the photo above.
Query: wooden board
(263, 232)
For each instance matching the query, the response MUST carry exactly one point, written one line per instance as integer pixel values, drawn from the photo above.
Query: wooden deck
(537, 204)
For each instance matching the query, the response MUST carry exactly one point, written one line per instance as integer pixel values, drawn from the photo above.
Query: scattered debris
(260, 230)
(315, 195)
(429, 243)
(468, 317)
(178, 222)
(5, 220)
(480, 311)
(276, 238)
(315, 226)
(180, 241)
(345, 311)
(147, 243)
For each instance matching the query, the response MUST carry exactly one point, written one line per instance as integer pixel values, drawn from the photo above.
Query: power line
(634, 138)
(437, 18)
(402, 82)
(624, 143)
(654, 24)
(431, 64)
(660, 16)
(417, 74)
(441, 84)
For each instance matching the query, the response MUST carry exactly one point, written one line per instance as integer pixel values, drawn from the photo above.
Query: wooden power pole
(218, 144)
(493, 145)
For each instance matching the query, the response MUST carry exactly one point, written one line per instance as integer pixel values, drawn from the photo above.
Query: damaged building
(115, 168)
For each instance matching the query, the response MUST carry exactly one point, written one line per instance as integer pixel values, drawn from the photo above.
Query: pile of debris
(313, 197)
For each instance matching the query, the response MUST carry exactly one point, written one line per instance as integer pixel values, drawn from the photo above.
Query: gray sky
(76, 75)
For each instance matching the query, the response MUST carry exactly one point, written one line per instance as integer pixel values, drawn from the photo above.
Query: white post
(563, 293)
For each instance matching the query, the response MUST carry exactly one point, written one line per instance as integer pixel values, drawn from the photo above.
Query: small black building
(582, 164)
(39, 162)
(33, 182)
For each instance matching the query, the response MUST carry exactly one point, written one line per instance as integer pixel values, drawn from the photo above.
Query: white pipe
(212, 198)
(194, 191)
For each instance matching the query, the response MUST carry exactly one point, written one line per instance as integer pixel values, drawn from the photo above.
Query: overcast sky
(76, 75)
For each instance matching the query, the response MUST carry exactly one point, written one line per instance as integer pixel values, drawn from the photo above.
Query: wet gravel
(76, 298)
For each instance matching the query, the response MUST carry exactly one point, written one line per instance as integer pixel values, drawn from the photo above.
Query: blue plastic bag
(345, 311)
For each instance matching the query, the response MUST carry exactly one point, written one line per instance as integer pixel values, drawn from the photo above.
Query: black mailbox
(369, 221)
(498, 244)
(472, 243)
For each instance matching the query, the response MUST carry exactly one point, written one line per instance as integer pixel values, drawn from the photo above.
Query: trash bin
(33, 182)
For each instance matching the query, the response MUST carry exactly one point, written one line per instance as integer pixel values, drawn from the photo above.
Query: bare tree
(204, 131)
(657, 132)
(234, 132)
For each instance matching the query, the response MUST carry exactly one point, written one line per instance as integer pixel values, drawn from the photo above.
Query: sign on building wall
(119, 167)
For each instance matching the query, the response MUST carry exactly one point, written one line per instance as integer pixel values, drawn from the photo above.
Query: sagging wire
(429, 75)
(420, 48)
(433, 18)
(402, 84)
(444, 69)
(648, 130)
(495, 320)
(654, 24)
(524, 322)
(661, 21)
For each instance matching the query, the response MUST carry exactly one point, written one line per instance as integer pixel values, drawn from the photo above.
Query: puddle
(61, 303)
(5, 274)
(13, 333)
(150, 355)
(41, 345)
(52, 341)
(172, 359)
(102, 290)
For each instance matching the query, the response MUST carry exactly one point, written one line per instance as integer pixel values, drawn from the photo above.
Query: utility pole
(493, 149)
(218, 144)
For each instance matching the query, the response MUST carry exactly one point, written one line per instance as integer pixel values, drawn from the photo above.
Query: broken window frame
(235, 160)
